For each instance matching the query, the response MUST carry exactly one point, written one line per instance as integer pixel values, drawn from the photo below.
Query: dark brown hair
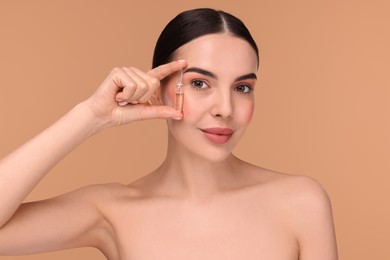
(195, 23)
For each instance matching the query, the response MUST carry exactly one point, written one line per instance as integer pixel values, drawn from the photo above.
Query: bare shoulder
(306, 194)
(303, 205)
(297, 189)
(302, 189)
(299, 197)
(100, 197)
(107, 191)
(305, 199)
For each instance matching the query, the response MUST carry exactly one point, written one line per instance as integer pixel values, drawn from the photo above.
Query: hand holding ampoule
(123, 96)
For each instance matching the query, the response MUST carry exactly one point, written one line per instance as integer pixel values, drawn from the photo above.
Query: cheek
(188, 107)
(191, 106)
(245, 115)
(194, 106)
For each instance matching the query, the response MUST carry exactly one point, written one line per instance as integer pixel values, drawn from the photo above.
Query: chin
(198, 145)
(217, 157)
(210, 152)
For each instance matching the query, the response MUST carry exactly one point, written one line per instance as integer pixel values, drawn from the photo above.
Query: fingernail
(177, 118)
(122, 103)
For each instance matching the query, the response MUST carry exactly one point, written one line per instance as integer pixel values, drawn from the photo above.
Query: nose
(223, 105)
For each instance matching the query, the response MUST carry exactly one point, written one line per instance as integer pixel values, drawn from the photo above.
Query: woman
(202, 202)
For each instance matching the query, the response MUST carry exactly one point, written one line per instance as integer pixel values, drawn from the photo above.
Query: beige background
(323, 100)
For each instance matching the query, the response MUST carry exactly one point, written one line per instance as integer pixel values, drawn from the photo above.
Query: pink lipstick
(217, 135)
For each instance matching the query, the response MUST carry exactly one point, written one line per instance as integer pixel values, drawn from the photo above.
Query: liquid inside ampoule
(179, 101)
(179, 92)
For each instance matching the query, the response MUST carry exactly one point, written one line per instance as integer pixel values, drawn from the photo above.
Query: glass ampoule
(179, 92)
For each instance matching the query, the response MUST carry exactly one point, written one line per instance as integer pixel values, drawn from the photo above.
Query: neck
(195, 177)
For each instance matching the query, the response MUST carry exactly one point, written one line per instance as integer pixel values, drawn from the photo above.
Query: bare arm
(67, 221)
(24, 168)
(313, 221)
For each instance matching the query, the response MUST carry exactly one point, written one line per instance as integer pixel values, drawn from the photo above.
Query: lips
(217, 135)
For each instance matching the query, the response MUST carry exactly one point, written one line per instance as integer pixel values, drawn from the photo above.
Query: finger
(160, 112)
(165, 70)
(125, 84)
(127, 92)
(123, 115)
(152, 82)
(142, 86)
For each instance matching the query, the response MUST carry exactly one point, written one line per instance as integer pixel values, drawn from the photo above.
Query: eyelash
(198, 81)
(192, 82)
(249, 88)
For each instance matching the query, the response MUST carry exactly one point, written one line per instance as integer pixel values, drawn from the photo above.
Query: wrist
(87, 116)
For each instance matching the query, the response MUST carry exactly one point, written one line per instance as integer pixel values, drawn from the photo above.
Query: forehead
(219, 52)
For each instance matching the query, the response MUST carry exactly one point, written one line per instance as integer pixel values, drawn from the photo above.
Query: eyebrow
(212, 75)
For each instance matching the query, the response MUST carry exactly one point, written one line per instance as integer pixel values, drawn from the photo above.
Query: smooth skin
(201, 203)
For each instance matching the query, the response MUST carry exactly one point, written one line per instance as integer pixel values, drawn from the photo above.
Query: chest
(179, 231)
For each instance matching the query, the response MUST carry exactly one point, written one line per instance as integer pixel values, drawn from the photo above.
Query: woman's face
(218, 85)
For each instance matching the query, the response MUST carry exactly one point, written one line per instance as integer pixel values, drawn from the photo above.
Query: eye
(199, 84)
(243, 88)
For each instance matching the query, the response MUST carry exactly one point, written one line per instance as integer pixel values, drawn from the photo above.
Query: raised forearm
(21, 170)
(118, 100)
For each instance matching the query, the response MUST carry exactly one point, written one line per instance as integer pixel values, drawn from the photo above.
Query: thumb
(160, 112)
(130, 113)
